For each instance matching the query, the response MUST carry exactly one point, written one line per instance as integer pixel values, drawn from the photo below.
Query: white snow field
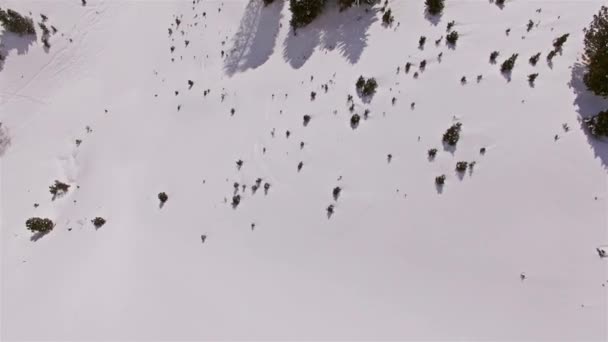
(399, 259)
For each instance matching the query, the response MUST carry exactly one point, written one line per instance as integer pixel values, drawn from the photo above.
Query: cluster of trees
(303, 12)
(366, 87)
(452, 135)
(16, 23)
(595, 57)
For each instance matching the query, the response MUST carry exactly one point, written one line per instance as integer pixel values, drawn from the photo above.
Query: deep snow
(398, 259)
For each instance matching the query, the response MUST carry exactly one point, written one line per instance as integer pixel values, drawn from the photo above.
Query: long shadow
(587, 105)
(254, 42)
(346, 31)
(11, 41)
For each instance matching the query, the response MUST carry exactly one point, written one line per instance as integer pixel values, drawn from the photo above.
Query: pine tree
(452, 135)
(595, 54)
(534, 59)
(434, 7)
(559, 41)
(508, 64)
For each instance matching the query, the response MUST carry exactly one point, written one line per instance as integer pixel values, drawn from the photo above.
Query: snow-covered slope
(398, 259)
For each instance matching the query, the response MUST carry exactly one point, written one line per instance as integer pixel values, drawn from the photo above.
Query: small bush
(408, 65)
(529, 26)
(313, 96)
(461, 166)
(508, 64)
(59, 188)
(162, 197)
(452, 37)
(39, 225)
(98, 222)
(440, 180)
(432, 153)
(595, 54)
(434, 7)
(500, 3)
(422, 64)
(534, 59)
(598, 124)
(452, 135)
(493, 56)
(16, 23)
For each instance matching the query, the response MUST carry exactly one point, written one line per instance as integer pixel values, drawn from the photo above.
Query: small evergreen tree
(452, 37)
(162, 197)
(500, 3)
(421, 42)
(452, 135)
(39, 225)
(98, 222)
(336, 193)
(595, 54)
(440, 180)
(550, 55)
(450, 25)
(360, 84)
(493, 56)
(370, 87)
(387, 17)
(532, 78)
(434, 7)
(59, 188)
(461, 166)
(306, 120)
(529, 26)
(534, 59)
(432, 153)
(354, 120)
(508, 64)
(559, 41)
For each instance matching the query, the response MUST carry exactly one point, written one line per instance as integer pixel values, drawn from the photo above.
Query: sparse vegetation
(39, 225)
(595, 54)
(16, 23)
(452, 135)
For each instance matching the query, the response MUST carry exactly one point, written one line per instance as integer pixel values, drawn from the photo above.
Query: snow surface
(399, 258)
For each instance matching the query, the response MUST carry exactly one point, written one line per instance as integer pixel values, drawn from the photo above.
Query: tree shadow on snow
(345, 30)
(254, 42)
(587, 105)
(11, 41)
(37, 236)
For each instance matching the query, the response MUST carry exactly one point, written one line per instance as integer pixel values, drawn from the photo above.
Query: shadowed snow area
(284, 217)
